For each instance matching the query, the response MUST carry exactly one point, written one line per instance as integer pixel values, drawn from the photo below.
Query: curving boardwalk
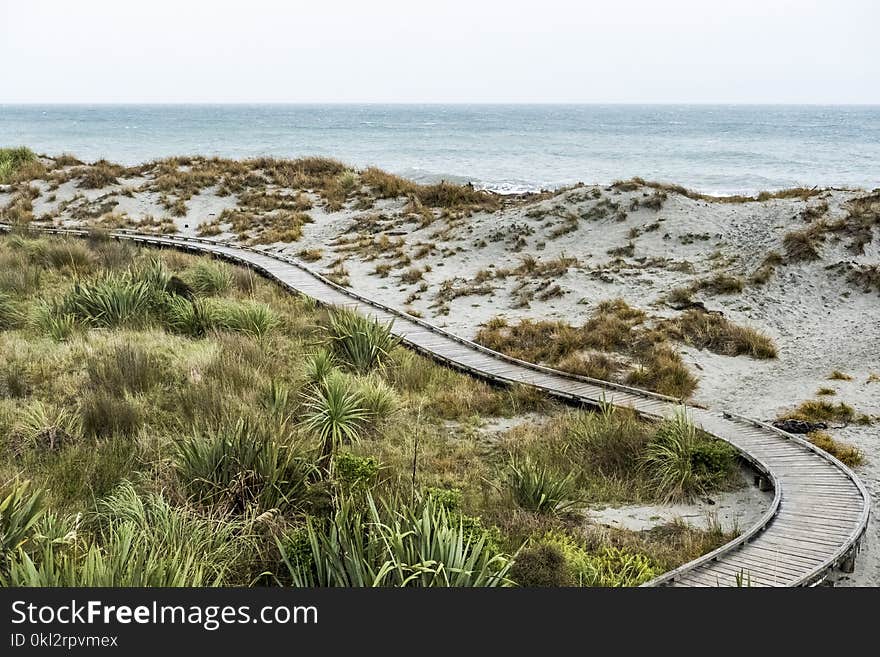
(820, 509)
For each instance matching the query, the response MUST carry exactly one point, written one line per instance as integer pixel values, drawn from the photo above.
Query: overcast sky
(641, 51)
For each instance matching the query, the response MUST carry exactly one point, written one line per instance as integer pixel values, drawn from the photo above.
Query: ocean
(720, 149)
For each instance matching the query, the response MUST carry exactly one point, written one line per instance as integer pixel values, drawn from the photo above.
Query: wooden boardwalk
(820, 509)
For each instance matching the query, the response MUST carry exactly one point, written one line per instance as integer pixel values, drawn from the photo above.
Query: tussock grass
(847, 454)
(18, 165)
(803, 245)
(721, 336)
(821, 410)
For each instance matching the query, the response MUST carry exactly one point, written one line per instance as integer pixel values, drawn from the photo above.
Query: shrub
(540, 566)
(607, 567)
(353, 471)
(239, 465)
(361, 343)
(538, 489)
(837, 375)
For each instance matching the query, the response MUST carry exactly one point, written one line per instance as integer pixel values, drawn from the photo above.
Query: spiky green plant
(336, 414)
(393, 544)
(361, 343)
(111, 301)
(47, 425)
(20, 509)
(240, 465)
(539, 489)
(51, 319)
(319, 365)
(668, 458)
(191, 318)
(141, 541)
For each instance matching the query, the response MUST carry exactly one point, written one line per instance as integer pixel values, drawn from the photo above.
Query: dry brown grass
(98, 175)
(615, 326)
(844, 452)
(799, 193)
(803, 245)
(720, 283)
(721, 336)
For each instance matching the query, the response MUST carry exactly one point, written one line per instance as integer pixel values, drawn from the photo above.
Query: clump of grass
(51, 319)
(141, 541)
(242, 464)
(821, 410)
(837, 375)
(766, 269)
(99, 175)
(111, 301)
(127, 367)
(11, 315)
(19, 164)
(104, 414)
(847, 454)
(47, 425)
(803, 245)
(826, 392)
(682, 463)
(661, 369)
(721, 336)
(210, 279)
(720, 283)
(361, 343)
(20, 509)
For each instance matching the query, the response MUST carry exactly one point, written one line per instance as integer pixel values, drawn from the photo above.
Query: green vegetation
(18, 164)
(182, 422)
